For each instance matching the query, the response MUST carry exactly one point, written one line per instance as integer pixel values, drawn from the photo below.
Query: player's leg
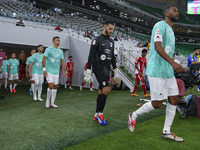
(15, 79)
(171, 110)
(91, 87)
(41, 80)
(49, 79)
(36, 85)
(137, 81)
(54, 90)
(83, 83)
(10, 82)
(6, 80)
(97, 105)
(70, 80)
(144, 88)
(158, 92)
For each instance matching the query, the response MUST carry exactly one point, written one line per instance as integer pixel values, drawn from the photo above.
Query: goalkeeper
(101, 56)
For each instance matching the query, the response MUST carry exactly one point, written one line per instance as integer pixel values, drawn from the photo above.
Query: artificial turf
(27, 124)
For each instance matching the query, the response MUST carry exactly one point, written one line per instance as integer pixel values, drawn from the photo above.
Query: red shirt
(57, 28)
(141, 62)
(85, 65)
(70, 65)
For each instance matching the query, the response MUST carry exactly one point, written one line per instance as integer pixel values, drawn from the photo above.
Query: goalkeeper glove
(88, 78)
(115, 73)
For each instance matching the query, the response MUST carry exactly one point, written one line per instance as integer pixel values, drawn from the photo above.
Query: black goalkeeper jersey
(101, 55)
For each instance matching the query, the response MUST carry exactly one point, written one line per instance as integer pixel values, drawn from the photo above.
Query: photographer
(192, 59)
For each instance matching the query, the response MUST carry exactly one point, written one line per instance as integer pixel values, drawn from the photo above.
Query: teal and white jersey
(53, 60)
(4, 66)
(37, 63)
(13, 66)
(28, 62)
(157, 66)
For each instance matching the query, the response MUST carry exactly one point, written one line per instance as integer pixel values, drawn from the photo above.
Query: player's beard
(172, 18)
(107, 34)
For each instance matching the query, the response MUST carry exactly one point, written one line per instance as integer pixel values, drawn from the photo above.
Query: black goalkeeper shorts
(103, 80)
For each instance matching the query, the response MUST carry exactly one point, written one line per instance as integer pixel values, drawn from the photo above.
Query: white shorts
(161, 88)
(38, 78)
(13, 77)
(52, 78)
(4, 75)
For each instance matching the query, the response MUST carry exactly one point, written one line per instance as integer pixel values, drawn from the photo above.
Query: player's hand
(45, 73)
(140, 73)
(88, 78)
(8, 74)
(65, 75)
(115, 74)
(27, 75)
(177, 67)
(31, 75)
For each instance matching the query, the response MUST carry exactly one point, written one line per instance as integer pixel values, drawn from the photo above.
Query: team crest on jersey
(94, 42)
(104, 83)
(59, 51)
(103, 57)
(111, 44)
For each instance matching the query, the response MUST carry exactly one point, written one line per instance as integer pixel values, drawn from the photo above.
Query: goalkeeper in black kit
(101, 56)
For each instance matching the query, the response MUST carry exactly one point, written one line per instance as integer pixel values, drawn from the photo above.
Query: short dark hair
(13, 53)
(109, 22)
(167, 9)
(55, 37)
(194, 49)
(70, 56)
(39, 46)
(144, 51)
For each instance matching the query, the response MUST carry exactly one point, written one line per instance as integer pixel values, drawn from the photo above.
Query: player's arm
(27, 70)
(43, 65)
(192, 61)
(63, 66)
(73, 70)
(93, 48)
(160, 50)
(31, 68)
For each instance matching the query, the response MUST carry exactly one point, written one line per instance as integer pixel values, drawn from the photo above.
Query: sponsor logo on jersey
(111, 44)
(104, 83)
(109, 58)
(103, 57)
(52, 60)
(103, 44)
(94, 42)
(107, 51)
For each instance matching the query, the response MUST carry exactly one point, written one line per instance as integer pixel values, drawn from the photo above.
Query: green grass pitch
(28, 125)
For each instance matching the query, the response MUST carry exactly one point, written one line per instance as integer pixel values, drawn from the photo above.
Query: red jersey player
(85, 67)
(70, 70)
(140, 64)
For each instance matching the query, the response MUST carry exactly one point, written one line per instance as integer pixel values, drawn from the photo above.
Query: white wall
(31, 36)
(80, 51)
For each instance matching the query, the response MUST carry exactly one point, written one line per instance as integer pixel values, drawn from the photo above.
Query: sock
(98, 99)
(83, 84)
(10, 87)
(67, 81)
(91, 85)
(15, 84)
(39, 90)
(95, 114)
(135, 88)
(147, 107)
(169, 117)
(70, 83)
(32, 87)
(144, 88)
(102, 102)
(35, 88)
(53, 96)
(6, 83)
(49, 92)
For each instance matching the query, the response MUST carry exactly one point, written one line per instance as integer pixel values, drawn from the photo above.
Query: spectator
(116, 39)
(58, 28)
(177, 53)
(20, 23)
(192, 58)
(71, 30)
(95, 33)
(88, 34)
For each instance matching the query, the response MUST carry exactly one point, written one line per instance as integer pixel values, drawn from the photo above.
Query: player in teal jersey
(28, 64)
(160, 71)
(36, 72)
(13, 67)
(4, 73)
(52, 59)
